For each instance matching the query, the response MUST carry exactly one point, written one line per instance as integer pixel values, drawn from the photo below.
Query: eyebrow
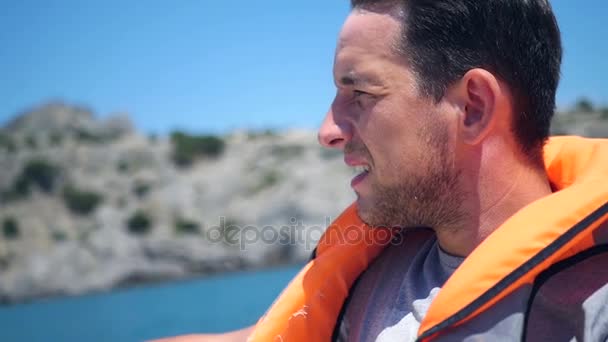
(354, 79)
(349, 80)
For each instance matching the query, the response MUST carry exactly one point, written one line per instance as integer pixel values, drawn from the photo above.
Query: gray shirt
(393, 295)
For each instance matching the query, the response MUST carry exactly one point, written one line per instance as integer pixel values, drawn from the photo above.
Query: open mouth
(361, 172)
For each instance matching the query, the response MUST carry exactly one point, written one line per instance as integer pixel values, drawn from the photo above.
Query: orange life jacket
(541, 234)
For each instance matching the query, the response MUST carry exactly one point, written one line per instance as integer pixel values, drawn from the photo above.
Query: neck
(507, 186)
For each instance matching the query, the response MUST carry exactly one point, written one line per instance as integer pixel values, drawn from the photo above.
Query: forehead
(369, 30)
(366, 46)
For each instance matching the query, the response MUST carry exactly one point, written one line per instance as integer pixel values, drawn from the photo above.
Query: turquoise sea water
(215, 304)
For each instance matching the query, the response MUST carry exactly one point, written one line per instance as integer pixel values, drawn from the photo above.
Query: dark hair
(517, 40)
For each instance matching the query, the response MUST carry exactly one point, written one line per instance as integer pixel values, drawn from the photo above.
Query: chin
(364, 210)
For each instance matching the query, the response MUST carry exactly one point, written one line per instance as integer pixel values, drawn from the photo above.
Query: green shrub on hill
(584, 105)
(287, 151)
(188, 148)
(122, 166)
(38, 172)
(21, 188)
(30, 141)
(268, 179)
(7, 143)
(55, 139)
(183, 226)
(141, 189)
(139, 223)
(80, 202)
(10, 228)
(85, 136)
(267, 133)
(59, 236)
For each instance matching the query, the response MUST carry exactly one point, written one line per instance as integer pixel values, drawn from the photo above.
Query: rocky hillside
(583, 119)
(89, 204)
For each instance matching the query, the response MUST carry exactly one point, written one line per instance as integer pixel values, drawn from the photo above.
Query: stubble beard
(433, 200)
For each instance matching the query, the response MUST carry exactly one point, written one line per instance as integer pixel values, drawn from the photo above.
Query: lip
(353, 161)
(358, 179)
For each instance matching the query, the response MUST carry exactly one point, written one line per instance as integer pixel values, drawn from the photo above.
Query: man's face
(398, 140)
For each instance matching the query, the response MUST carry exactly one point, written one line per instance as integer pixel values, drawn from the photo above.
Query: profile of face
(401, 142)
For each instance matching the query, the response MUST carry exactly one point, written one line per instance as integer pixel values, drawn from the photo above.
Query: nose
(334, 134)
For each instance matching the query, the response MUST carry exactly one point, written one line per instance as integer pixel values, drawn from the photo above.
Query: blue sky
(213, 66)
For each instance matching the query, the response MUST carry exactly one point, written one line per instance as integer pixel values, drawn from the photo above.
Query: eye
(361, 98)
(358, 93)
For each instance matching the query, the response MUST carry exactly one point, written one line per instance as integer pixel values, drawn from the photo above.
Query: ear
(476, 93)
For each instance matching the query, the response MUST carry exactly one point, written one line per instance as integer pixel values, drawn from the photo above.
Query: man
(444, 106)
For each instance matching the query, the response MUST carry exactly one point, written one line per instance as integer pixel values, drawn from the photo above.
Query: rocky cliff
(90, 204)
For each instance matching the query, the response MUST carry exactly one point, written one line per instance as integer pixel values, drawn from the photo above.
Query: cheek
(397, 155)
(397, 135)
(405, 151)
